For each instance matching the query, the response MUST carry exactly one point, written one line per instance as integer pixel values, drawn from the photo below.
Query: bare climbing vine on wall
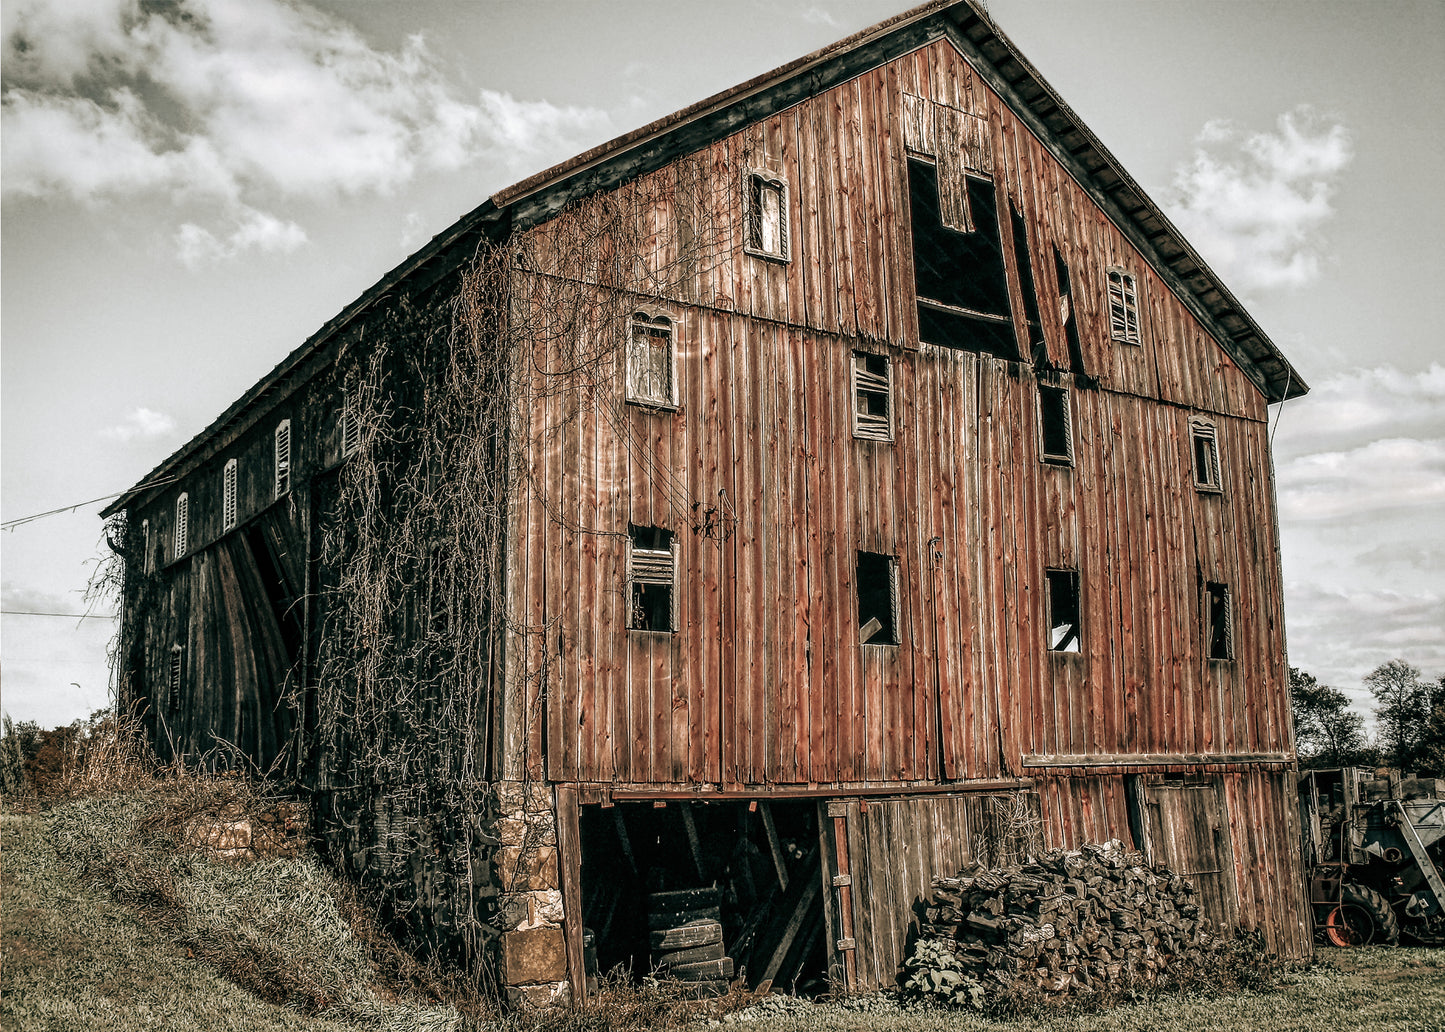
(420, 650)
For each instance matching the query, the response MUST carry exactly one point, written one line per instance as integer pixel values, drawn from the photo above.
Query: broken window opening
(1037, 346)
(1067, 314)
(872, 389)
(651, 564)
(650, 360)
(145, 554)
(1056, 433)
(766, 216)
(1063, 590)
(877, 599)
(1123, 307)
(1204, 443)
(173, 684)
(283, 457)
(959, 278)
(228, 496)
(1219, 629)
(183, 524)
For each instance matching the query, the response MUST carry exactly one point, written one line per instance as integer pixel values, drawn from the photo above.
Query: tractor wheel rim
(1349, 925)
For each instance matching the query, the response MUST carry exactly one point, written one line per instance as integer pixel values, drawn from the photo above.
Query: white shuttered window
(228, 496)
(283, 457)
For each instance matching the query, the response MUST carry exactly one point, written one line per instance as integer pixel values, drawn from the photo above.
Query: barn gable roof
(993, 56)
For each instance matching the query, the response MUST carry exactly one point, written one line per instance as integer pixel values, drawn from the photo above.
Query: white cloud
(1254, 203)
(244, 102)
(254, 231)
(1386, 474)
(141, 422)
(1359, 405)
(815, 15)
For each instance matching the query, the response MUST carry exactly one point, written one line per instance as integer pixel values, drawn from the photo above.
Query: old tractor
(1374, 847)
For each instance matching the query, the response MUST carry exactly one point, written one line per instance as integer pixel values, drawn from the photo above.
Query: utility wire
(12, 524)
(68, 616)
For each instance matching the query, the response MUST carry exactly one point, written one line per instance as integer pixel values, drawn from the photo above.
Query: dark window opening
(962, 288)
(1037, 346)
(1219, 632)
(1067, 313)
(872, 385)
(1064, 633)
(651, 573)
(1206, 456)
(877, 599)
(1057, 439)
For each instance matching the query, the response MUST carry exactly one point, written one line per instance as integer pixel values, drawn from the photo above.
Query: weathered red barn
(798, 495)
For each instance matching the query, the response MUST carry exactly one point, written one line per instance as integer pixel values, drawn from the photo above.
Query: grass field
(76, 958)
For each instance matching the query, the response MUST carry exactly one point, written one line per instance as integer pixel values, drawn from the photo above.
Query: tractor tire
(699, 933)
(1362, 918)
(693, 955)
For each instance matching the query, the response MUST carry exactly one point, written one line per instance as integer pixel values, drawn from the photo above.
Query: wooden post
(569, 869)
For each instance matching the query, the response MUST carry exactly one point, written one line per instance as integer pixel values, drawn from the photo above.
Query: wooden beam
(693, 843)
(795, 924)
(769, 829)
(569, 869)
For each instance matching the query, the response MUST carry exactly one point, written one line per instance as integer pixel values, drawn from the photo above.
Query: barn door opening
(1185, 825)
(744, 875)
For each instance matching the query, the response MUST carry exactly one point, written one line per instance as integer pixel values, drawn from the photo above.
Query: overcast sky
(189, 193)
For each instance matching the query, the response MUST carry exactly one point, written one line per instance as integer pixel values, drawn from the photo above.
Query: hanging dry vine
(413, 563)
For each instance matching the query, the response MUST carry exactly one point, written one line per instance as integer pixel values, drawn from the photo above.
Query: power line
(12, 524)
(68, 616)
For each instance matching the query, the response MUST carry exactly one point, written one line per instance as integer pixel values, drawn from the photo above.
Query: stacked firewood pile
(1099, 917)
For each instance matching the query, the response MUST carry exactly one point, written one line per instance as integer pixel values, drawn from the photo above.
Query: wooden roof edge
(1285, 381)
(483, 217)
(494, 216)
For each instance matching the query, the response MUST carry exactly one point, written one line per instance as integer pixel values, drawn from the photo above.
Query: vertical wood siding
(764, 682)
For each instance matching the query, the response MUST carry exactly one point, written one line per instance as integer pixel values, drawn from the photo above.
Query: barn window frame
(758, 186)
(876, 586)
(1064, 599)
(872, 390)
(659, 324)
(175, 678)
(1218, 605)
(1204, 456)
(349, 426)
(1123, 290)
(1056, 425)
(651, 580)
(281, 450)
(183, 525)
(145, 546)
(229, 476)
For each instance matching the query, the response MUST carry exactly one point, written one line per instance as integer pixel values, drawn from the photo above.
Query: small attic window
(651, 360)
(145, 546)
(1056, 439)
(1064, 632)
(1218, 621)
(283, 457)
(766, 211)
(183, 524)
(350, 420)
(228, 496)
(1123, 307)
(651, 572)
(877, 599)
(1204, 446)
(872, 393)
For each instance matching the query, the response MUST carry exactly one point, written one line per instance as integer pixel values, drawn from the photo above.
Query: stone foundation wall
(533, 956)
